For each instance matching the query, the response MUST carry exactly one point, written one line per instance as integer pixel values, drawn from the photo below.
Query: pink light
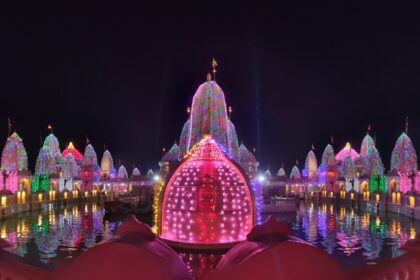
(207, 200)
(347, 151)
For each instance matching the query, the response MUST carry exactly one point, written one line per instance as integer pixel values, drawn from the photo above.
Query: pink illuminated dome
(347, 151)
(207, 202)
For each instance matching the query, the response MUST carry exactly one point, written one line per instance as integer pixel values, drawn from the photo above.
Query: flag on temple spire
(312, 147)
(332, 140)
(50, 128)
(87, 141)
(406, 125)
(368, 130)
(214, 63)
(297, 162)
(214, 66)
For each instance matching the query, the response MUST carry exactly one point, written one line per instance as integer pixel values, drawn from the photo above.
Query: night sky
(295, 74)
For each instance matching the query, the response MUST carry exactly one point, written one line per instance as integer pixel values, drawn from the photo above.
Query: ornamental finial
(214, 66)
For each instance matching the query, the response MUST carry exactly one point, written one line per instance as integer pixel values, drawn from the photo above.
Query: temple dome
(375, 162)
(90, 157)
(367, 144)
(328, 157)
(70, 168)
(404, 156)
(107, 163)
(347, 151)
(183, 141)
(209, 115)
(267, 173)
(348, 169)
(14, 157)
(45, 163)
(174, 154)
(311, 165)
(136, 172)
(295, 173)
(72, 150)
(233, 141)
(245, 155)
(122, 172)
(281, 172)
(207, 201)
(53, 145)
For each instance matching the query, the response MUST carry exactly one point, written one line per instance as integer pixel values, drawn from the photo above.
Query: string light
(207, 199)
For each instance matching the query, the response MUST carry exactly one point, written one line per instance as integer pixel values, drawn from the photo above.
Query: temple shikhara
(208, 197)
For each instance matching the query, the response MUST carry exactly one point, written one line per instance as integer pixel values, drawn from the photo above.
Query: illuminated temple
(208, 197)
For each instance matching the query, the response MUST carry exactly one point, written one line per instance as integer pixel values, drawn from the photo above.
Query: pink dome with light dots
(207, 202)
(347, 151)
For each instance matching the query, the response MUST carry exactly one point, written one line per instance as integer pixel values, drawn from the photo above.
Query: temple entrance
(25, 185)
(364, 187)
(393, 186)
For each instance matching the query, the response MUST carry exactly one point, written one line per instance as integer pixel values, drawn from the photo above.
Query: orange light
(412, 201)
(40, 197)
(4, 201)
(378, 197)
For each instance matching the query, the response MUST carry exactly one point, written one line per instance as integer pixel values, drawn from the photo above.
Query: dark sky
(293, 73)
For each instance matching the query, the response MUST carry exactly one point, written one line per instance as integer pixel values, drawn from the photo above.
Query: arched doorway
(25, 185)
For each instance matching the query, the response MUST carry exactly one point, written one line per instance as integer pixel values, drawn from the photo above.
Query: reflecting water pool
(352, 236)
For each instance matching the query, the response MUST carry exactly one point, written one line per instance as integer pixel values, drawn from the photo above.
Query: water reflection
(352, 236)
(346, 231)
(52, 234)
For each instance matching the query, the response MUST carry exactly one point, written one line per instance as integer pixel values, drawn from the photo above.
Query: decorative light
(207, 199)
(261, 178)
(156, 178)
(4, 201)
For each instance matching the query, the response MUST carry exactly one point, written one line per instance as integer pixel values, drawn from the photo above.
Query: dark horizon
(295, 74)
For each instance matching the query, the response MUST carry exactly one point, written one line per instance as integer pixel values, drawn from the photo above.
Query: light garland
(207, 199)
